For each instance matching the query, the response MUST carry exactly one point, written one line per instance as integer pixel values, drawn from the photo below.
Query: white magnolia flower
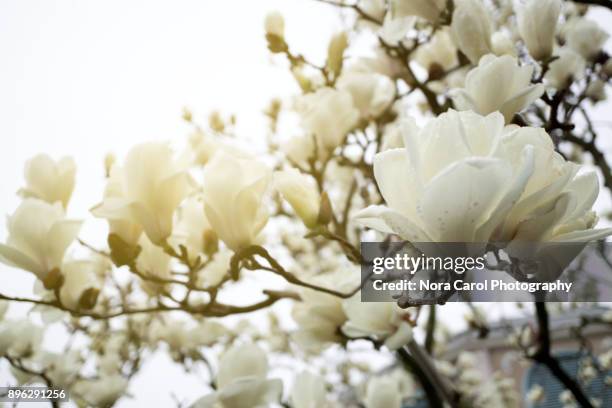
(537, 23)
(498, 84)
(300, 150)
(192, 229)
(428, 9)
(585, 37)
(81, 284)
(319, 317)
(233, 192)
(472, 29)
(274, 24)
(242, 381)
(301, 192)
(49, 180)
(38, 237)
(372, 93)
(146, 191)
(383, 321)
(568, 67)
(469, 179)
(439, 53)
(328, 114)
(19, 338)
(308, 391)
(383, 392)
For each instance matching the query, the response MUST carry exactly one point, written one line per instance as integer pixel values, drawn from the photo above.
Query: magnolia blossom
(537, 22)
(328, 114)
(372, 93)
(81, 284)
(428, 9)
(241, 381)
(192, 230)
(39, 235)
(308, 391)
(568, 67)
(301, 192)
(319, 317)
(384, 321)
(472, 28)
(585, 37)
(233, 192)
(438, 54)
(498, 84)
(467, 178)
(147, 190)
(49, 180)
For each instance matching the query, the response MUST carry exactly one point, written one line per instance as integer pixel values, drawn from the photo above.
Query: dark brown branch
(544, 356)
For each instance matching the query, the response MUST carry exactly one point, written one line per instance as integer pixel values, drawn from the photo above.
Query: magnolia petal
(520, 101)
(15, 258)
(454, 203)
(401, 337)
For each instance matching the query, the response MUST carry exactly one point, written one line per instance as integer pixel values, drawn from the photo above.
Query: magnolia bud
(275, 24)
(275, 32)
(471, 28)
(335, 52)
(301, 193)
(537, 22)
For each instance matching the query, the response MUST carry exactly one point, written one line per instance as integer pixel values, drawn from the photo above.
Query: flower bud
(537, 22)
(301, 193)
(335, 52)
(275, 32)
(471, 28)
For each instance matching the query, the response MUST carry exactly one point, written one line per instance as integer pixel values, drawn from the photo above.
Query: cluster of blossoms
(456, 126)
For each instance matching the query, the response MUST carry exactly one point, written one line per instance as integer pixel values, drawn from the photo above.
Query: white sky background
(84, 77)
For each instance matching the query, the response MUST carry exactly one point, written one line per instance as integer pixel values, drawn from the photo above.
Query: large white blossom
(585, 37)
(328, 114)
(308, 391)
(498, 84)
(39, 235)
(467, 178)
(568, 67)
(149, 188)
(233, 192)
(372, 93)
